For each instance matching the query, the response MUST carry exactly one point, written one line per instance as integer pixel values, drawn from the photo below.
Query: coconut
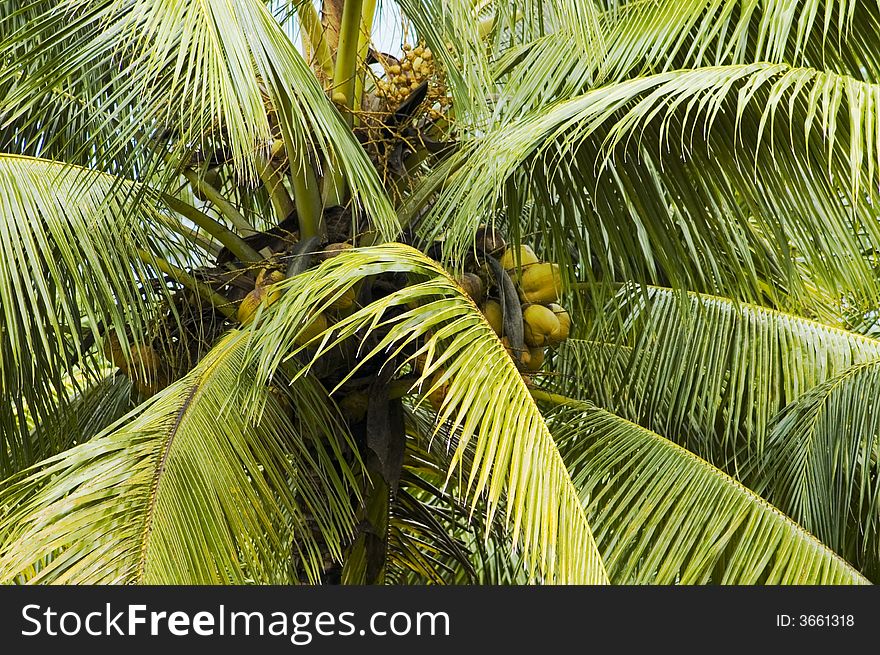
(345, 301)
(535, 360)
(521, 356)
(250, 304)
(114, 352)
(333, 249)
(490, 241)
(274, 277)
(518, 258)
(561, 334)
(540, 283)
(315, 327)
(472, 284)
(492, 311)
(145, 369)
(539, 323)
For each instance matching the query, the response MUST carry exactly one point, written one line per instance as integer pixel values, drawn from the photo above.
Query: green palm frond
(68, 271)
(487, 402)
(820, 464)
(453, 30)
(188, 489)
(664, 516)
(663, 35)
(87, 414)
(675, 231)
(218, 60)
(706, 371)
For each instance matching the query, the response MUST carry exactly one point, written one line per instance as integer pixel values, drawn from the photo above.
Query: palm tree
(575, 291)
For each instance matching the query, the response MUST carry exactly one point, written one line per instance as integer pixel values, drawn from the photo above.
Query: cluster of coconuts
(266, 292)
(538, 284)
(545, 322)
(140, 362)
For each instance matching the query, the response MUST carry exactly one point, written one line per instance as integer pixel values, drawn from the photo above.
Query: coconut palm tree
(574, 291)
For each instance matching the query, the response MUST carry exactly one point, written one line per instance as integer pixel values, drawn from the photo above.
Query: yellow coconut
(535, 359)
(273, 277)
(523, 258)
(345, 301)
(539, 323)
(317, 325)
(492, 311)
(517, 355)
(540, 283)
(561, 334)
(250, 304)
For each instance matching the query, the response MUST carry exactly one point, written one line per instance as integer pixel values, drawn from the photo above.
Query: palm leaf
(188, 489)
(669, 233)
(664, 516)
(487, 401)
(820, 464)
(706, 371)
(68, 270)
(217, 60)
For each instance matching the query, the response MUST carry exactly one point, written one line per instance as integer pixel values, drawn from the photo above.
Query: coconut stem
(346, 54)
(223, 205)
(307, 197)
(369, 12)
(282, 203)
(314, 32)
(237, 246)
(220, 303)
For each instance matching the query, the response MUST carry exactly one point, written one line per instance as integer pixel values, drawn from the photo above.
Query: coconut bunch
(545, 323)
(519, 296)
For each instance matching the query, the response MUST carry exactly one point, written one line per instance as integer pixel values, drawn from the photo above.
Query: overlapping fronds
(188, 489)
(707, 372)
(568, 157)
(837, 34)
(665, 516)
(469, 38)
(193, 74)
(820, 464)
(487, 403)
(87, 414)
(68, 270)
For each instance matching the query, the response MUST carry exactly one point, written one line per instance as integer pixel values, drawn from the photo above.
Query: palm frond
(487, 401)
(820, 464)
(665, 35)
(707, 372)
(188, 489)
(218, 60)
(87, 414)
(68, 271)
(676, 231)
(665, 516)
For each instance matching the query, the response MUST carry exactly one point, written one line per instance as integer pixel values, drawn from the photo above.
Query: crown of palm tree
(265, 316)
